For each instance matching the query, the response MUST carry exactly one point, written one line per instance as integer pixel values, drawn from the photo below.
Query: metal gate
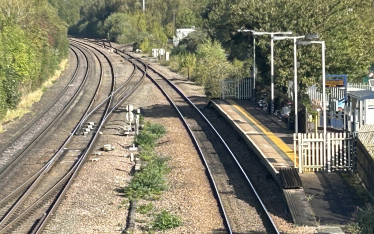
(314, 155)
(235, 88)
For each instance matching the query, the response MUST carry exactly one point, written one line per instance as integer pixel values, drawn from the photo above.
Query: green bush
(365, 220)
(150, 181)
(150, 133)
(165, 221)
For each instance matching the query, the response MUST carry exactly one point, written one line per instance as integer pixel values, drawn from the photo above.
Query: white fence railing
(315, 93)
(313, 155)
(235, 88)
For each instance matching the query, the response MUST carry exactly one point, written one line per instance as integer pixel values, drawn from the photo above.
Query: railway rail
(216, 155)
(45, 189)
(51, 182)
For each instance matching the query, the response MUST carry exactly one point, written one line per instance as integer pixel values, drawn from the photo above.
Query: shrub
(165, 220)
(145, 209)
(150, 181)
(150, 134)
(365, 219)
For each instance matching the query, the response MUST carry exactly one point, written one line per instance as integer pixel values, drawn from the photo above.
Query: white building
(182, 33)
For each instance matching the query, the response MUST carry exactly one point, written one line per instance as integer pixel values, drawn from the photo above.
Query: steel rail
(5, 169)
(4, 200)
(36, 118)
(48, 165)
(274, 227)
(104, 117)
(79, 164)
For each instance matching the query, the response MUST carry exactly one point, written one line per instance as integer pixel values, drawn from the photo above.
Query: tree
(189, 62)
(194, 39)
(211, 67)
(185, 19)
(349, 44)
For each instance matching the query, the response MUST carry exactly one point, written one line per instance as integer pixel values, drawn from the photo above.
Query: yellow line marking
(278, 142)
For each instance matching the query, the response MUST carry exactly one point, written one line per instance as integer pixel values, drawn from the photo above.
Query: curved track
(52, 180)
(227, 177)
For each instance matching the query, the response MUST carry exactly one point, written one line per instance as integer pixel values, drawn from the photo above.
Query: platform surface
(327, 198)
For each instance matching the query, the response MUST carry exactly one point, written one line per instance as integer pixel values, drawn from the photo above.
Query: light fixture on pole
(323, 83)
(254, 60)
(272, 61)
(309, 36)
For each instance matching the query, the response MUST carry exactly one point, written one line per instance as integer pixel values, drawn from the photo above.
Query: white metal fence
(333, 92)
(313, 155)
(235, 88)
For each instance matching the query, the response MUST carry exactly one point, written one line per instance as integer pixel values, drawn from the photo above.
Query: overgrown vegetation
(145, 209)
(33, 42)
(165, 220)
(151, 180)
(148, 136)
(363, 215)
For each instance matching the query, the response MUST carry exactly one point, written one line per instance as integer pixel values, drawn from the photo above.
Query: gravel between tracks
(94, 205)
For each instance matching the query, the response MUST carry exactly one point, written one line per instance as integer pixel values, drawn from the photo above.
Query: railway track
(230, 182)
(228, 179)
(48, 185)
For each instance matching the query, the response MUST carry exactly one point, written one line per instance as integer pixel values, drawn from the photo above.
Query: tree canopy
(343, 25)
(33, 41)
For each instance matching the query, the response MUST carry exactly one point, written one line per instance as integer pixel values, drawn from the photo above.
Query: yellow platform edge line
(282, 146)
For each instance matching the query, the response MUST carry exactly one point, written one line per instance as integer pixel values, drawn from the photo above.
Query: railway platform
(323, 200)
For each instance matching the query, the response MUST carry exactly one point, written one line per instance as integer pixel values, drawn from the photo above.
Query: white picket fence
(235, 88)
(313, 155)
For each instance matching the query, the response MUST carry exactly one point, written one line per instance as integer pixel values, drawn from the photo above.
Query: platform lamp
(323, 83)
(272, 61)
(308, 36)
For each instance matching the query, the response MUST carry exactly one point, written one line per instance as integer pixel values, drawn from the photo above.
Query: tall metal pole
(324, 92)
(254, 67)
(295, 85)
(272, 73)
(173, 22)
(143, 5)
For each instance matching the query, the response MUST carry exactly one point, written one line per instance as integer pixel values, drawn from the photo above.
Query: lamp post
(272, 61)
(323, 82)
(309, 36)
(254, 60)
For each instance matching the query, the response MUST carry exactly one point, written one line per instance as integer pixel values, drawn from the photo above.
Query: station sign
(336, 81)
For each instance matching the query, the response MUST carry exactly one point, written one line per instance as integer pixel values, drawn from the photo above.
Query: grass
(145, 209)
(149, 135)
(28, 100)
(166, 220)
(150, 182)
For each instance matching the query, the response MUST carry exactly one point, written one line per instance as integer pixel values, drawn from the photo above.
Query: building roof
(362, 94)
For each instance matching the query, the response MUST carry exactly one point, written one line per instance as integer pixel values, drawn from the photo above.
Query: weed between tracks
(151, 181)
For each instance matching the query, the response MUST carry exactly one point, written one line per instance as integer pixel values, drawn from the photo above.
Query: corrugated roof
(362, 94)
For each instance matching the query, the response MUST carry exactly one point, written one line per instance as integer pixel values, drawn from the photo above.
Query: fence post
(238, 89)
(300, 141)
(328, 143)
(294, 149)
